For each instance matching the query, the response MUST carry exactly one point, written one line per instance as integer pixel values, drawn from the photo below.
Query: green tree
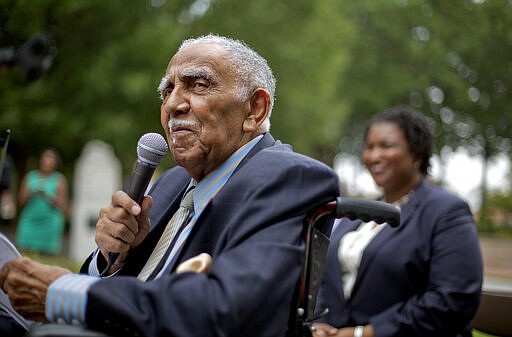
(110, 56)
(446, 58)
(304, 42)
(337, 64)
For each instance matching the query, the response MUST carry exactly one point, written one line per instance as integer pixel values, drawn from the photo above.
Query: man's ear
(259, 108)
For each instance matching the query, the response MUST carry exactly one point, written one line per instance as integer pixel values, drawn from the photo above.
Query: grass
(8, 228)
(477, 333)
(56, 260)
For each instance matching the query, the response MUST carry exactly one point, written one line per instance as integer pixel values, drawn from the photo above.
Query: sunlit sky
(462, 176)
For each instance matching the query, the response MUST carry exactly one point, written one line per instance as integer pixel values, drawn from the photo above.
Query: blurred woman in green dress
(43, 196)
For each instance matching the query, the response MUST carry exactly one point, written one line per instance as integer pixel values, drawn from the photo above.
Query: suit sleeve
(249, 288)
(454, 281)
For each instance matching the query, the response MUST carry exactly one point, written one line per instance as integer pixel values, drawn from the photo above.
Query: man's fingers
(28, 309)
(123, 200)
(146, 204)
(120, 231)
(3, 275)
(143, 221)
(26, 282)
(117, 220)
(109, 242)
(123, 224)
(116, 229)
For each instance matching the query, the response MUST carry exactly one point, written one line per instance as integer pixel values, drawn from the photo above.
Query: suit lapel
(383, 236)
(161, 215)
(343, 227)
(368, 255)
(173, 207)
(266, 141)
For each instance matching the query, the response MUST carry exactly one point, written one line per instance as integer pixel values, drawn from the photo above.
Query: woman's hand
(323, 330)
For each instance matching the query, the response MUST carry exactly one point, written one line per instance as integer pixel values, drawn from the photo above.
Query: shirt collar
(208, 187)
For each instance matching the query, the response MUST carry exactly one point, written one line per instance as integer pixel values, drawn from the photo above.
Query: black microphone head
(151, 148)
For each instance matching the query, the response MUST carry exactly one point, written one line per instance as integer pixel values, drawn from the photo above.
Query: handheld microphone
(151, 149)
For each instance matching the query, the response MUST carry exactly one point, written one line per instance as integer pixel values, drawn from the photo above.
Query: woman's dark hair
(416, 130)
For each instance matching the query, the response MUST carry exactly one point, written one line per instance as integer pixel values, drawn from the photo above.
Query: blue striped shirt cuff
(67, 297)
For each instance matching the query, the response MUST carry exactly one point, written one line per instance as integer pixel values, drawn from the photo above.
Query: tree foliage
(110, 55)
(337, 63)
(102, 83)
(448, 59)
(301, 40)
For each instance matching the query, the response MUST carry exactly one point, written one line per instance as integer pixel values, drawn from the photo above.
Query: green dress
(41, 225)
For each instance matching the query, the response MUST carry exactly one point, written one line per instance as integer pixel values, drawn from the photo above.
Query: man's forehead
(198, 60)
(199, 52)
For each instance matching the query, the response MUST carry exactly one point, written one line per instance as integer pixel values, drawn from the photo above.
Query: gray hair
(251, 68)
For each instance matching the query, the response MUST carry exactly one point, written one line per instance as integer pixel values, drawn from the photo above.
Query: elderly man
(249, 195)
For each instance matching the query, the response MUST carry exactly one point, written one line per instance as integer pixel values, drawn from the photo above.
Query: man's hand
(26, 282)
(122, 225)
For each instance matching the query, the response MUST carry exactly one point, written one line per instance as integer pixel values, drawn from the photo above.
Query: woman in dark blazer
(421, 279)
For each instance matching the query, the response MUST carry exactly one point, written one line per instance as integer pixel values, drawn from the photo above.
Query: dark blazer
(420, 279)
(252, 228)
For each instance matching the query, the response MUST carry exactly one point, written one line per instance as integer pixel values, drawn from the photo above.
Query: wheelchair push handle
(367, 210)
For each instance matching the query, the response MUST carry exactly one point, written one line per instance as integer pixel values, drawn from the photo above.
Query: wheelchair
(316, 232)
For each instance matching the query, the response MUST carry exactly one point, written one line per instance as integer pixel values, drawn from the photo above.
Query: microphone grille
(151, 148)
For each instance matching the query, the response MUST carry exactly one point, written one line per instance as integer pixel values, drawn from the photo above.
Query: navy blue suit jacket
(252, 228)
(422, 278)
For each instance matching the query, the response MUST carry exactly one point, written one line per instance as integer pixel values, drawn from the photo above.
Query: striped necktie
(179, 218)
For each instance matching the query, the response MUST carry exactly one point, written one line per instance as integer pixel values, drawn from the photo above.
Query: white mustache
(180, 123)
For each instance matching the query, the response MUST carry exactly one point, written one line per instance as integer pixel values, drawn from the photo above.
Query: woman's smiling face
(387, 156)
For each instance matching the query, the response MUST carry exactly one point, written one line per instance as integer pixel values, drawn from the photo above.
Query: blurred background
(75, 71)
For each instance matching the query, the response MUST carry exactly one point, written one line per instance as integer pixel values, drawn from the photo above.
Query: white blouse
(350, 251)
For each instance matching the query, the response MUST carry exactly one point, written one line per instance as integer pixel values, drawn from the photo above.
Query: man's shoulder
(283, 155)
(437, 197)
(166, 189)
(176, 172)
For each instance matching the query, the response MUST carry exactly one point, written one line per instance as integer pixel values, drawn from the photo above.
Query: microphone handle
(136, 188)
(366, 210)
(139, 181)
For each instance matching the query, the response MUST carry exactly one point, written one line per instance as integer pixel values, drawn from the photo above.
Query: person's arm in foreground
(26, 282)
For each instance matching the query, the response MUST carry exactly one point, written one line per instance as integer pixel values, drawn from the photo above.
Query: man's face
(201, 113)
